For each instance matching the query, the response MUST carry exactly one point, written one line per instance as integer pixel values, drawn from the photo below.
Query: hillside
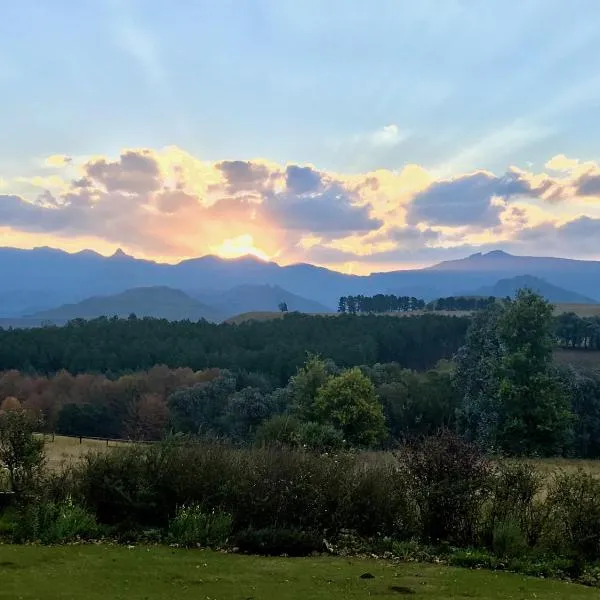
(160, 302)
(249, 298)
(553, 293)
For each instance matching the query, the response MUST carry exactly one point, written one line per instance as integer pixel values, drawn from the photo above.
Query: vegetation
(274, 347)
(275, 468)
(380, 303)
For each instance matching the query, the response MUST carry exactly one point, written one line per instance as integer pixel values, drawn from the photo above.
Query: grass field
(583, 310)
(63, 449)
(118, 573)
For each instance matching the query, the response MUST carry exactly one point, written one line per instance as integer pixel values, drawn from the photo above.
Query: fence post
(80, 439)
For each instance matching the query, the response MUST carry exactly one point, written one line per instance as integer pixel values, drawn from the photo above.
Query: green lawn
(111, 572)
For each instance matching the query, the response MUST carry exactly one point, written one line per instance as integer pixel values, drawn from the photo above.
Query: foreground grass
(95, 572)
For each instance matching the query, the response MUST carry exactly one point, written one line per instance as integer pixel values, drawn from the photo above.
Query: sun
(242, 245)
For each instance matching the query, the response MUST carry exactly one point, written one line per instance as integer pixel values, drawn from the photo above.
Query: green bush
(508, 539)
(573, 528)
(54, 523)
(513, 504)
(320, 437)
(192, 526)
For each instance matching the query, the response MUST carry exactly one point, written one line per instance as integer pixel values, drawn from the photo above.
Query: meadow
(152, 573)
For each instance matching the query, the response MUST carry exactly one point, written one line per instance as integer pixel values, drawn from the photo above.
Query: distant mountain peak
(498, 254)
(119, 253)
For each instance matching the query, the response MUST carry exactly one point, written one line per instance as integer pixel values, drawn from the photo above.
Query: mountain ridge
(44, 278)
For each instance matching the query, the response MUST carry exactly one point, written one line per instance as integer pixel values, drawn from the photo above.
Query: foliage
(192, 526)
(21, 452)
(274, 347)
(380, 303)
(513, 399)
(279, 430)
(451, 480)
(320, 437)
(535, 416)
(51, 522)
(350, 404)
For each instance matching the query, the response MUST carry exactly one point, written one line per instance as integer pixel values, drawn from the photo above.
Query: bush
(320, 437)
(280, 430)
(273, 541)
(54, 523)
(192, 526)
(508, 539)
(514, 516)
(450, 479)
(573, 528)
(376, 501)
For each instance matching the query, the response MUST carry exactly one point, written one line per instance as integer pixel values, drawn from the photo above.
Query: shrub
(508, 539)
(514, 516)
(450, 480)
(376, 501)
(574, 516)
(54, 523)
(320, 437)
(280, 430)
(192, 526)
(21, 453)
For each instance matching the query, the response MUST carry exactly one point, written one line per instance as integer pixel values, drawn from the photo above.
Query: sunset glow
(242, 245)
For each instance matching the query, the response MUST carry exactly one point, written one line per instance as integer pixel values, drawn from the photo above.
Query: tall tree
(350, 404)
(535, 414)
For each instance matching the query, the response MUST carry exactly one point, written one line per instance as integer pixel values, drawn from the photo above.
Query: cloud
(466, 200)
(136, 172)
(169, 204)
(589, 185)
(300, 180)
(332, 211)
(57, 161)
(243, 175)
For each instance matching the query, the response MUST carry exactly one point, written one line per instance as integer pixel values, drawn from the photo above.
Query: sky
(360, 136)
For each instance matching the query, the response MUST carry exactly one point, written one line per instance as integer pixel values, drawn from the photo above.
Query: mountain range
(33, 282)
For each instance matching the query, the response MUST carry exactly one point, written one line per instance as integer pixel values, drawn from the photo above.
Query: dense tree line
(275, 347)
(573, 331)
(380, 303)
(461, 303)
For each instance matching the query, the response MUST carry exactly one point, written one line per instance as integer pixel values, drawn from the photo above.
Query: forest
(321, 382)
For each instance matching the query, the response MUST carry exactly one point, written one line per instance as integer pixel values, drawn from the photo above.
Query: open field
(583, 310)
(67, 449)
(99, 572)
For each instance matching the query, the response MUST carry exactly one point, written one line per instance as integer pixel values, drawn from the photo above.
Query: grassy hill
(159, 301)
(251, 298)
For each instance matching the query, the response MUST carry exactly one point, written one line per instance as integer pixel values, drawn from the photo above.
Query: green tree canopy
(349, 402)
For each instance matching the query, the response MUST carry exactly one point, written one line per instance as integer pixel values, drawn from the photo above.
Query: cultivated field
(98, 572)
